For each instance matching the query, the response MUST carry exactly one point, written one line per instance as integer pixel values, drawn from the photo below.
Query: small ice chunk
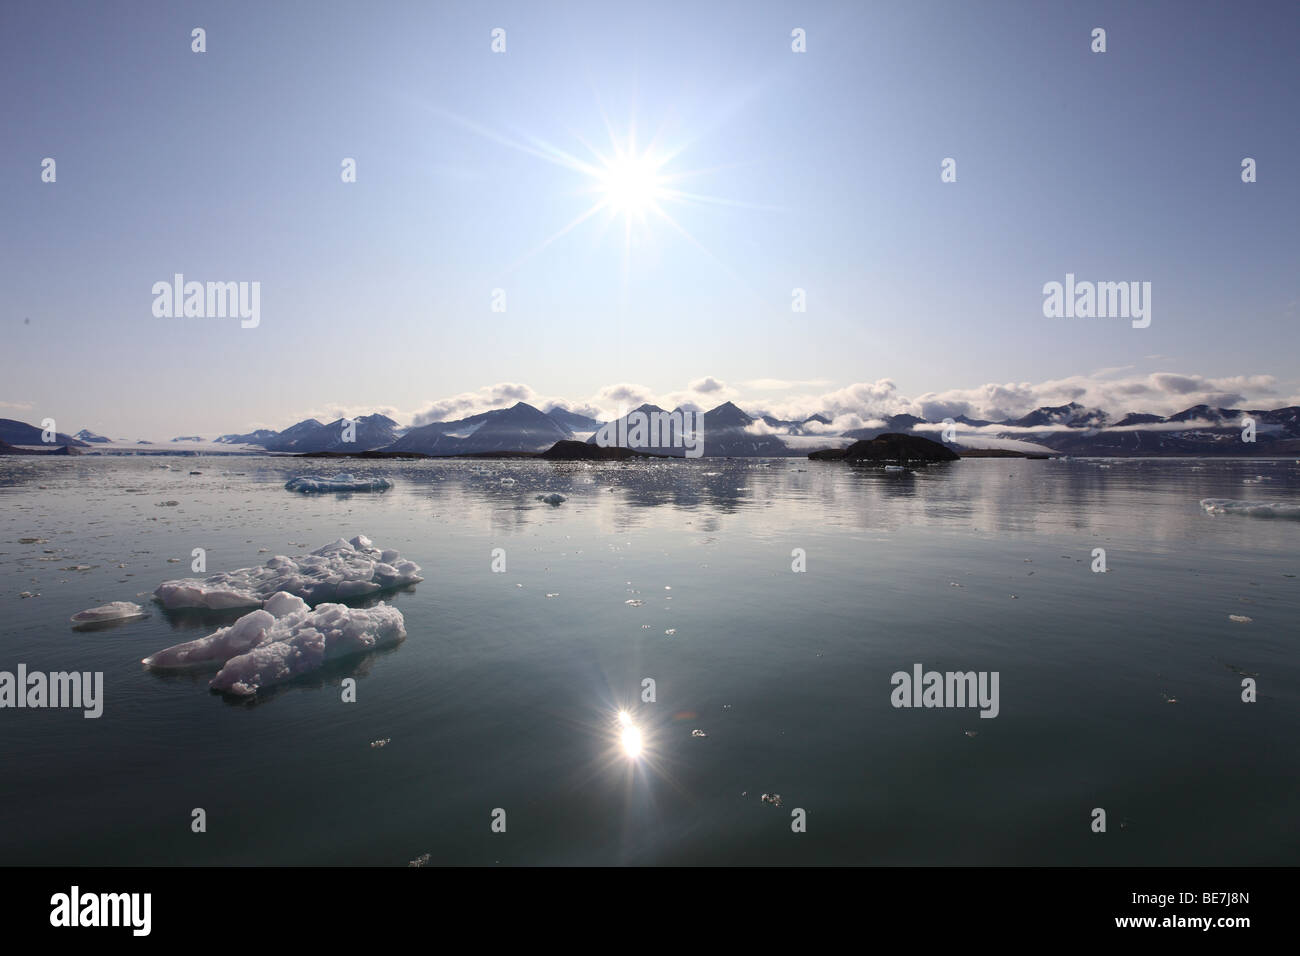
(1239, 618)
(317, 484)
(1253, 509)
(305, 640)
(282, 641)
(339, 570)
(248, 632)
(116, 611)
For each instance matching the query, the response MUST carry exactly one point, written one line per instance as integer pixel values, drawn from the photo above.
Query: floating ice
(1255, 509)
(342, 570)
(116, 611)
(282, 641)
(316, 484)
(304, 640)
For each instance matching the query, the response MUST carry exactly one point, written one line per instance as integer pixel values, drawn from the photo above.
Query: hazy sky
(816, 170)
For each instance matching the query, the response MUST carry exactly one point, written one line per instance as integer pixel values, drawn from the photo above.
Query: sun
(642, 185)
(631, 185)
(629, 736)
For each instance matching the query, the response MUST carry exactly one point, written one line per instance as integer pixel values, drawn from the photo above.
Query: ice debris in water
(116, 611)
(554, 498)
(1254, 509)
(1239, 618)
(282, 641)
(314, 484)
(337, 571)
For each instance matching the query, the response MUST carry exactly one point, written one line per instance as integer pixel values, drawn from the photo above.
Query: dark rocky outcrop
(890, 449)
(8, 449)
(572, 450)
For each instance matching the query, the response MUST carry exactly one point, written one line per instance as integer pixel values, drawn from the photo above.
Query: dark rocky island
(8, 449)
(571, 450)
(889, 449)
(566, 450)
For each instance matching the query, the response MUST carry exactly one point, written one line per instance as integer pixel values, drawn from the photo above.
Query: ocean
(769, 602)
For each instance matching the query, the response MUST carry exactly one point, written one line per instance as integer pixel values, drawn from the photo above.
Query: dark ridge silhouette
(892, 449)
(573, 450)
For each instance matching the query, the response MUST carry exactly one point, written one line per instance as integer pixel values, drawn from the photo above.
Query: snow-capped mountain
(518, 428)
(371, 432)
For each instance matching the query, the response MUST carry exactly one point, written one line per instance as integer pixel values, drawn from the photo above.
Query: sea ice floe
(337, 571)
(116, 611)
(316, 484)
(282, 641)
(1255, 509)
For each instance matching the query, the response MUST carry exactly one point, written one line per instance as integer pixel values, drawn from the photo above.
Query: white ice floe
(316, 484)
(283, 640)
(1255, 509)
(116, 611)
(338, 571)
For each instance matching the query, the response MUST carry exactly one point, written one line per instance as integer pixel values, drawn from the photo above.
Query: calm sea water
(505, 693)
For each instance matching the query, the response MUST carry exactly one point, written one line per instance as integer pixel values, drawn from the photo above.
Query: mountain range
(728, 431)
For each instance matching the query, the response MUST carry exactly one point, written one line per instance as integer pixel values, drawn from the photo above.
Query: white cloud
(863, 404)
(500, 395)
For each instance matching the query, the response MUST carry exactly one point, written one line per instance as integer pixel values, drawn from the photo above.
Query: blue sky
(822, 171)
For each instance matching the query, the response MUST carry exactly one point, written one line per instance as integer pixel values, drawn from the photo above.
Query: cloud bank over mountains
(1116, 391)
